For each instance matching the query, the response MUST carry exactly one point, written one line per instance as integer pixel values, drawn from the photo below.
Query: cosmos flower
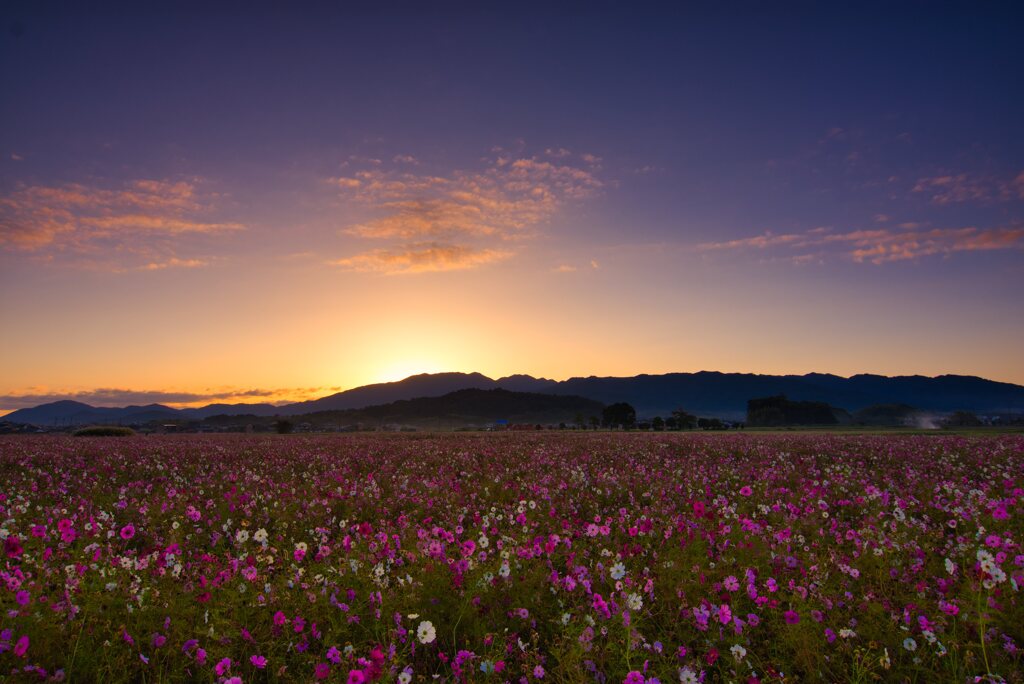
(426, 632)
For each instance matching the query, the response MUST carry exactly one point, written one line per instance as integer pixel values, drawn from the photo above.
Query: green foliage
(104, 431)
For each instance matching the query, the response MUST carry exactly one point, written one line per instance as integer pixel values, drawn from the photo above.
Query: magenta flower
(792, 617)
(634, 677)
(12, 546)
(128, 531)
(21, 647)
(724, 614)
(258, 661)
(22, 598)
(746, 490)
(322, 671)
(223, 666)
(356, 677)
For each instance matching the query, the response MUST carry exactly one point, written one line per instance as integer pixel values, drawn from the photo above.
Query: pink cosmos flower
(724, 614)
(128, 531)
(222, 667)
(21, 647)
(258, 661)
(356, 677)
(12, 546)
(792, 617)
(746, 490)
(322, 671)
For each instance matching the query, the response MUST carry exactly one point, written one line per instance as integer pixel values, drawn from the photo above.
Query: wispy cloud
(951, 189)
(878, 245)
(422, 258)
(135, 225)
(464, 219)
(126, 397)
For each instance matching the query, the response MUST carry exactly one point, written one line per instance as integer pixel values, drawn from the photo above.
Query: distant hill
(77, 413)
(424, 385)
(466, 407)
(706, 393)
(231, 410)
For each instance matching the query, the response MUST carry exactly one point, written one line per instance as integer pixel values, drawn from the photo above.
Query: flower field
(606, 557)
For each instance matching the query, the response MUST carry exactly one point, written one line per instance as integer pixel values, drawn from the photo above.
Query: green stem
(981, 636)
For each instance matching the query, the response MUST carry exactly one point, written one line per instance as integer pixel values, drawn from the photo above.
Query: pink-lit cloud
(106, 396)
(951, 189)
(463, 219)
(132, 226)
(422, 258)
(878, 245)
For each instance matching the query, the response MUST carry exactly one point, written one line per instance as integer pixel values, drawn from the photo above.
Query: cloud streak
(878, 246)
(465, 219)
(422, 258)
(116, 397)
(954, 189)
(137, 225)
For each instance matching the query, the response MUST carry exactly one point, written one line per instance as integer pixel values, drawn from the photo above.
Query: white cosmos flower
(688, 676)
(426, 632)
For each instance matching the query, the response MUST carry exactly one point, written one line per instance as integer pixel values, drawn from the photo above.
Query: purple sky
(269, 204)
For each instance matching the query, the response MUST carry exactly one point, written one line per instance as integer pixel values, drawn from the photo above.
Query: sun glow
(402, 368)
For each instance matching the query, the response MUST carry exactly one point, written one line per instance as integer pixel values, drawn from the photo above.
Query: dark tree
(962, 419)
(284, 427)
(778, 410)
(658, 423)
(684, 420)
(619, 415)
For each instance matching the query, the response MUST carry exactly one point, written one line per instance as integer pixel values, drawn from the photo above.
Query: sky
(246, 203)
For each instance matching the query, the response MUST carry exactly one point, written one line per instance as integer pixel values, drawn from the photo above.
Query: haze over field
(275, 206)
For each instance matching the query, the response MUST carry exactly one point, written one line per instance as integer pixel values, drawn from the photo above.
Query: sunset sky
(254, 205)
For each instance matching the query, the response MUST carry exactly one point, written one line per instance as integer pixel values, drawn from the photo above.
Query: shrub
(104, 431)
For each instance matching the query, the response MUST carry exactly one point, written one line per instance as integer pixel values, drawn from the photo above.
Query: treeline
(778, 410)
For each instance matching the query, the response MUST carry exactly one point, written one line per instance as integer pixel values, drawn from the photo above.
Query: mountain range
(706, 393)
